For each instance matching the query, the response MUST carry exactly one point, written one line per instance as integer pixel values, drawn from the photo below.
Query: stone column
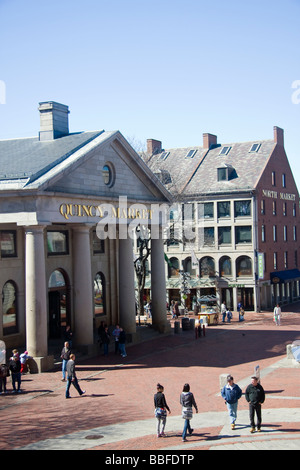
(127, 310)
(158, 286)
(36, 297)
(82, 287)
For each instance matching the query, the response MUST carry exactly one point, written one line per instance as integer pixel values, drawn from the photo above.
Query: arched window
(225, 266)
(188, 267)
(99, 295)
(9, 308)
(173, 267)
(244, 266)
(207, 267)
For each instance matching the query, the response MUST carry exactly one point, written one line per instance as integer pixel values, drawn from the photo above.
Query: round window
(108, 175)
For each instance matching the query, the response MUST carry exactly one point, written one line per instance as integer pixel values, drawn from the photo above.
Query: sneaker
(191, 432)
(184, 440)
(258, 430)
(252, 430)
(158, 435)
(83, 392)
(162, 434)
(233, 426)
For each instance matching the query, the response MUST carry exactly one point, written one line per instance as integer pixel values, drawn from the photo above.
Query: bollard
(203, 327)
(176, 327)
(196, 333)
(199, 331)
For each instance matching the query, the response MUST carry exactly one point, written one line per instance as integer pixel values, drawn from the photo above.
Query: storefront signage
(275, 195)
(260, 262)
(69, 210)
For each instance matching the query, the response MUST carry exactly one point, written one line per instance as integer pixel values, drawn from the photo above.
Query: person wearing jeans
(187, 401)
(72, 379)
(231, 394)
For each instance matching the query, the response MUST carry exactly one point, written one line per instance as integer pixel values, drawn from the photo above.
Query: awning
(285, 276)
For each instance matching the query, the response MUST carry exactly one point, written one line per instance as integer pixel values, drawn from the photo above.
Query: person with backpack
(231, 393)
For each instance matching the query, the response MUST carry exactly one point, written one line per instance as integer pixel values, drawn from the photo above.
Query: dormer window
(164, 155)
(254, 148)
(226, 172)
(225, 151)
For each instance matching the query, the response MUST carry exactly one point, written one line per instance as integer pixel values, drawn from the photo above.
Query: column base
(162, 327)
(40, 364)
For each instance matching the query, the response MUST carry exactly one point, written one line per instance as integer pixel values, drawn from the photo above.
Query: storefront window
(225, 266)
(9, 308)
(173, 267)
(207, 267)
(99, 295)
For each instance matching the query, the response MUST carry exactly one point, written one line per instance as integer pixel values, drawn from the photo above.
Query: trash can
(192, 323)
(176, 327)
(185, 323)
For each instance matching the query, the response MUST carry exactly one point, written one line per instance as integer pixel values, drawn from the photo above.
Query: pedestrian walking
(15, 369)
(65, 356)
(255, 396)
(105, 341)
(240, 310)
(223, 311)
(229, 315)
(277, 315)
(161, 408)
(23, 359)
(72, 378)
(4, 373)
(68, 336)
(187, 402)
(231, 393)
(116, 334)
(122, 341)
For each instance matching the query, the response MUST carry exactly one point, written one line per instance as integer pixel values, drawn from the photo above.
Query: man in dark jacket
(15, 368)
(255, 396)
(72, 379)
(231, 394)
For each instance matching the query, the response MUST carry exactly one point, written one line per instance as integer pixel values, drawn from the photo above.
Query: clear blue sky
(168, 69)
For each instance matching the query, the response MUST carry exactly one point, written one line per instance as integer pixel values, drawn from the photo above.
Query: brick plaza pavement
(117, 411)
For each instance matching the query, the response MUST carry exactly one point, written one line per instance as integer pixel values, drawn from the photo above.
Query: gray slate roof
(192, 177)
(31, 158)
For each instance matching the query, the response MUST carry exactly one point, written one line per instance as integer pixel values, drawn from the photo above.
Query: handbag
(160, 413)
(187, 412)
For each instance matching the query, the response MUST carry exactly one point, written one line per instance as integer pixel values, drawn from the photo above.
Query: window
(275, 260)
(254, 148)
(285, 233)
(294, 210)
(225, 151)
(164, 155)
(98, 244)
(224, 235)
(58, 242)
(274, 207)
(108, 174)
(224, 209)
(273, 178)
(207, 267)
(284, 209)
(262, 207)
(263, 233)
(225, 266)
(209, 236)
(283, 180)
(242, 208)
(191, 154)
(295, 233)
(285, 259)
(274, 233)
(99, 295)
(8, 243)
(243, 234)
(173, 267)
(222, 174)
(244, 266)
(206, 210)
(9, 308)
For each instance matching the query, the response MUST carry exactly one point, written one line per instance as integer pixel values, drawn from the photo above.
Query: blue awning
(285, 276)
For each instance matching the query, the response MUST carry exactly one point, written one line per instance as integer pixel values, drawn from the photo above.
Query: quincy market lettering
(68, 210)
(274, 195)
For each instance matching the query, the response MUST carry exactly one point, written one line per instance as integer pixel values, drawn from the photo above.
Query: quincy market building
(58, 265)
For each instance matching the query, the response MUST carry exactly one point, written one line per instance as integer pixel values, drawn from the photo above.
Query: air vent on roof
(254, 148)
(225, 151)
(191, 154)
(164, 155)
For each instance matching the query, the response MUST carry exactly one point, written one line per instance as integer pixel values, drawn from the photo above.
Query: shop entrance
(245, 296)
(59, 311)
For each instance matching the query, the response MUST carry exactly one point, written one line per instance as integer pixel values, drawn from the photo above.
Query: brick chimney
(54, 120)
(209, 140)
(153, 146)
(278, 136)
